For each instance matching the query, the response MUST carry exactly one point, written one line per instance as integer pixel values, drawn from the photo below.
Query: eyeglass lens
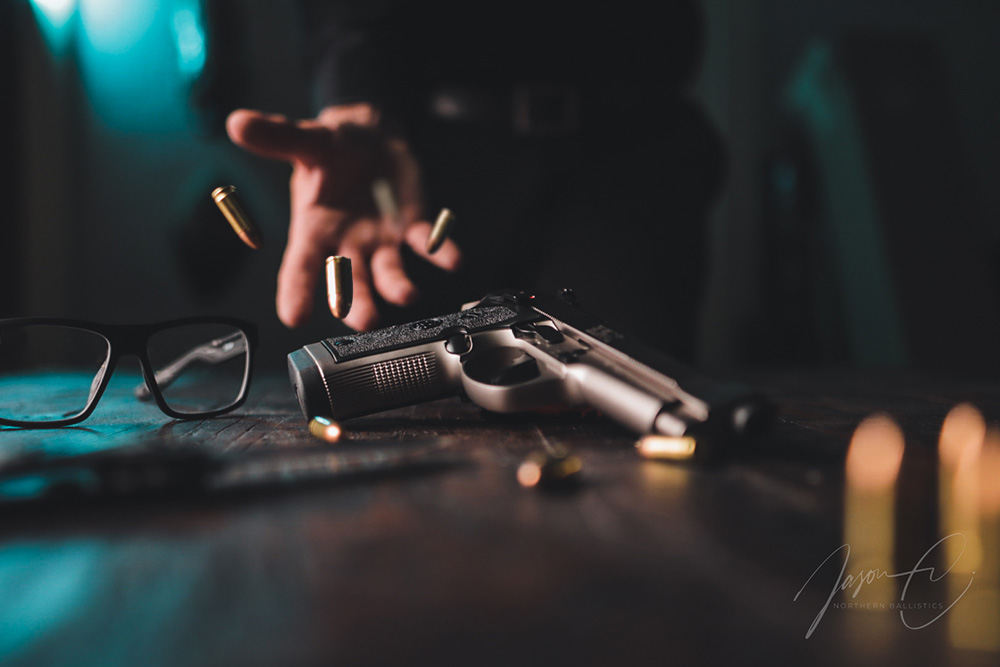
(48, 372)
(199, 367)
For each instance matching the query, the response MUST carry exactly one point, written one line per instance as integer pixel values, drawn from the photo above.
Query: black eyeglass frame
(133, 339)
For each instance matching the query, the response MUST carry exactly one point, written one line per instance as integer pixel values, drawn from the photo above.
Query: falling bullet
(225, 199)
(442, 227)
(339, 285)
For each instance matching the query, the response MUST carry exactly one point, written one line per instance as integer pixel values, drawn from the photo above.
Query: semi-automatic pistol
(514, 352)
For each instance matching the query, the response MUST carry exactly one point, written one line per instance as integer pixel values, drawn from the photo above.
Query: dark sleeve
(390, 52)
(350, 47)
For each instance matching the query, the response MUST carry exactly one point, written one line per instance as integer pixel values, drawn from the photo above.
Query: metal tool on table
(154, 468)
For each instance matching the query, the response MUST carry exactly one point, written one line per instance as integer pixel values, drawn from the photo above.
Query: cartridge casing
(339, 285)
(225, 198)
(441, 230)
(325, 429)
(667, 447)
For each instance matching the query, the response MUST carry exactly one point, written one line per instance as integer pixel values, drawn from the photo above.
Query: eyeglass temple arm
(212, 352)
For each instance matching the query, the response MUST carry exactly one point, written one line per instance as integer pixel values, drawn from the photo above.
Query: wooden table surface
(643, 563)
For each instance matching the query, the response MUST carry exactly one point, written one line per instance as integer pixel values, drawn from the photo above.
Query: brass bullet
(442, 227)
(325, 429)
(385, 201)
(549, 470)
(667, 448)
(339, 285)
(225, 199)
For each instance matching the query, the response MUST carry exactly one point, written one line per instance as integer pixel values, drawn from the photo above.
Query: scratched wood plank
(644, 563)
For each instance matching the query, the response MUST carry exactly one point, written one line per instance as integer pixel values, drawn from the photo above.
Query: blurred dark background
(858, 224)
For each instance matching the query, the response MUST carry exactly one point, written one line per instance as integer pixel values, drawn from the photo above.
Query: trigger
(518, 373)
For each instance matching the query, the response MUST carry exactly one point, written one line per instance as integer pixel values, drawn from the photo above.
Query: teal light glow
(113, 27)
(189, 35)
(23, 487)
(56, 12)
(808, 91)
(54, 19)
(44, 586)
(28, 487)
(128, 57)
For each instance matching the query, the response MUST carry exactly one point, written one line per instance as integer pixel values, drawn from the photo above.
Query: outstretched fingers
(390, 277)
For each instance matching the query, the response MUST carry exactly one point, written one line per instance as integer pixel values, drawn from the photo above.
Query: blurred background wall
(121, 110)
(858, 225)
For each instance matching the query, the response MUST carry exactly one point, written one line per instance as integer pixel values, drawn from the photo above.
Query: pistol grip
(357, 389)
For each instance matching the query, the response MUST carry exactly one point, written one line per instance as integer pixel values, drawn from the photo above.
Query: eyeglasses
(54, 371)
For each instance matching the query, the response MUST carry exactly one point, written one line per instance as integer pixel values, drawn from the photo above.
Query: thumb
(275, 136)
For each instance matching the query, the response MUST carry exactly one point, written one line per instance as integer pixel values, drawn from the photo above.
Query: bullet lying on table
(667, 448)
(325, 429)
(549, 469)
(339, 285)
(225, 198)
(442, 227)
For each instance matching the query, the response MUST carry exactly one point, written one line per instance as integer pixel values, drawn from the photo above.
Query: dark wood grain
(643, 563)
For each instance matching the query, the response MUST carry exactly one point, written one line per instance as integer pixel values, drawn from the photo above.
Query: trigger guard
(507, 379)
(501, 366)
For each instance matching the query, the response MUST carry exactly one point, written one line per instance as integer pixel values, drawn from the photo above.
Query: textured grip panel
(345, 348)
(385, 385)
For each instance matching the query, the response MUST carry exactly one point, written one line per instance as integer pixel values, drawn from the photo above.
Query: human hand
(335, 159)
